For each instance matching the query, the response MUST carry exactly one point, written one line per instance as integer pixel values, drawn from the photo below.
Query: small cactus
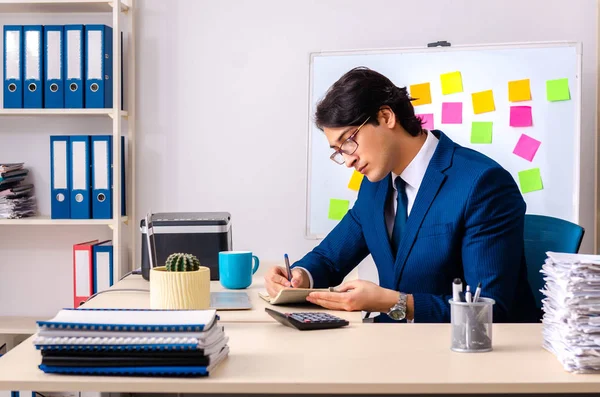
(179, 262)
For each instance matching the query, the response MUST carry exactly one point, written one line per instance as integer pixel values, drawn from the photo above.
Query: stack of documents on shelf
(16, 197)
(572, 310)
(131, 342)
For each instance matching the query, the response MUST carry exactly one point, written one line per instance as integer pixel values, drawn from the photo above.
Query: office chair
(542, 234)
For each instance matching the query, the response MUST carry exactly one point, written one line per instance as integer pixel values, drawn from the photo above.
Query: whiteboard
(556, 124)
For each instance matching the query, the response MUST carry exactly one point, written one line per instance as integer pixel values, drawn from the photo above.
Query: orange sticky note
(421, 93)
(451, 83)
(355, 180)
(519, 90)
(483, 102)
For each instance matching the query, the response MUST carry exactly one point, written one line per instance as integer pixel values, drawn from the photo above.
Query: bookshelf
(45, 220)
(60, 112)
(61, 6)
(122, 12)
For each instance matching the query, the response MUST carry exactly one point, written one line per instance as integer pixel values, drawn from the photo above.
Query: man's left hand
(356, 295)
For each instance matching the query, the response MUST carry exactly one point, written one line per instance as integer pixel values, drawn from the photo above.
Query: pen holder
(471, 325)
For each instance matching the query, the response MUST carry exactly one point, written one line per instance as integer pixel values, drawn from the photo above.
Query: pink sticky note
(452, 113)
(527, 147)
(427, 119)
(520, 116)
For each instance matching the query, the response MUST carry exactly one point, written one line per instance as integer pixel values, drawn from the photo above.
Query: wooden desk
(141, 300)
(361, 358)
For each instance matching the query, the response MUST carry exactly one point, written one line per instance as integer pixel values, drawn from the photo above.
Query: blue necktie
(401, 214)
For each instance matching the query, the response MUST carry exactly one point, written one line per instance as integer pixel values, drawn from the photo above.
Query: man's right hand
(276, 279)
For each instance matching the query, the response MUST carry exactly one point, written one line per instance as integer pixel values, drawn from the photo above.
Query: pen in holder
(471, 325)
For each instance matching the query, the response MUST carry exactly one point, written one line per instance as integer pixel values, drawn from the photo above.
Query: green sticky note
(481, 132)
(530, 180)
(338, 208)
(558, 90)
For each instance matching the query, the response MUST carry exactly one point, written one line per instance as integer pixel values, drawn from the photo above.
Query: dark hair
(360, 93)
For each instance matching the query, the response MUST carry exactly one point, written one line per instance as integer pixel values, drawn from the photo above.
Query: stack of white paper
(572, 310)
(16, 196)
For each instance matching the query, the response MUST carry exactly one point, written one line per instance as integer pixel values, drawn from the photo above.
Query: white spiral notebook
(110, 344)
(130, 320)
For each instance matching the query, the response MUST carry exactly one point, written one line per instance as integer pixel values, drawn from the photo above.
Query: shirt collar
(414, 173)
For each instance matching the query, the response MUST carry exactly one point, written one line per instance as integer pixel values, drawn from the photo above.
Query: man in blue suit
(429, 211)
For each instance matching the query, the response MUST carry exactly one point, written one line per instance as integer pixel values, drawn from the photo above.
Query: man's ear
(387, 117)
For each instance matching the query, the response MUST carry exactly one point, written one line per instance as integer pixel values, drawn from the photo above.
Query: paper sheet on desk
(292, 295)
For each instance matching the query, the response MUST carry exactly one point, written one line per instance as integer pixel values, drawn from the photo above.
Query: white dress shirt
(413, 176)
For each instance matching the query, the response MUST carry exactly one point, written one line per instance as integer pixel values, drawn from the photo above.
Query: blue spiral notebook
(127, 371)
(179, 371)
(75, 344)
(131, 320)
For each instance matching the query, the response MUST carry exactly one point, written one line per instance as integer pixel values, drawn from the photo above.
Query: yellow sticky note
(519, 90)
(451, 83)
(421, 93)
(483, 102)
(355, 180)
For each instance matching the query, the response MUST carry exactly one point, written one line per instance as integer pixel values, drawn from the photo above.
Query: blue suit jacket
(467, 221)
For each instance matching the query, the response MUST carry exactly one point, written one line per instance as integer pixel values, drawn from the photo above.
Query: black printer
(203, 234)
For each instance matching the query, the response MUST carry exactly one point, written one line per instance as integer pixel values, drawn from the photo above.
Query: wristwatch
(398, 311)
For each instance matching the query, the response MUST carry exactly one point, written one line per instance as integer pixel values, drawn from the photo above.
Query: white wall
(222, 108)
(223, 94)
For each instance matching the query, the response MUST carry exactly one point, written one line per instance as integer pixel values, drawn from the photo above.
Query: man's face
(365, 149)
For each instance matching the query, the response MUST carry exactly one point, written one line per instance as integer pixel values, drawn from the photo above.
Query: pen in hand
(288, 269)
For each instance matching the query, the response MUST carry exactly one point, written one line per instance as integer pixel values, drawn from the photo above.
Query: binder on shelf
(98, 66)
(103, 266)
(60, 186)
(83, 272)
(102, 177)
(54, 83)
(123, 184)
(33, 49)
(13, 66)
(80, 177)
(24, 393)
(73, 60)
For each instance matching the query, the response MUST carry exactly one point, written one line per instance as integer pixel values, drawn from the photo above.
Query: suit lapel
(432, 182)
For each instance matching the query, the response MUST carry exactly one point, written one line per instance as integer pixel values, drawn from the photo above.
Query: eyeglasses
(348, 147)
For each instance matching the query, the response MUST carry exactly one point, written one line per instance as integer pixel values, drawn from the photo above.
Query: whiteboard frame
(499, 46)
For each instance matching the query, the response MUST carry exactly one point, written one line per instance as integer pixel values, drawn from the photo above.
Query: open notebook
(291, 295)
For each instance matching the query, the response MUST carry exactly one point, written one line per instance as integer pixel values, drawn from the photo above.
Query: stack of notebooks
(131, 342)
(571, 322)
(16, 196)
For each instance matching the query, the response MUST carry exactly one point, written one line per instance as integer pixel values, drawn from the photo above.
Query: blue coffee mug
(236, 268)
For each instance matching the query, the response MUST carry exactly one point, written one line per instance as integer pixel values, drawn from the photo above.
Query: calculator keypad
(307, 320)
(314, 317)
